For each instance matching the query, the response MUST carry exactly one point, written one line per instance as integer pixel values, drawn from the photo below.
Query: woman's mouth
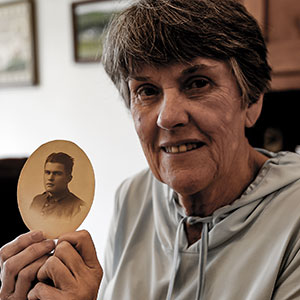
(182, 148)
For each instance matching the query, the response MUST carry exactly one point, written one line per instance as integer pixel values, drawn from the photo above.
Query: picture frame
(89, 21)
(18, 61)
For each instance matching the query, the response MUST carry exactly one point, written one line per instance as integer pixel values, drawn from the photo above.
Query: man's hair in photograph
(63, 159)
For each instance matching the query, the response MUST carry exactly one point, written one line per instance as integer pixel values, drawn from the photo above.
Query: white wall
(75, 102)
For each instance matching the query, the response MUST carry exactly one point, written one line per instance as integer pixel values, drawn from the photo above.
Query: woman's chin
(187, 186)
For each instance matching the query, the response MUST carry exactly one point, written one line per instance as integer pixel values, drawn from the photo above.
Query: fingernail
(37, 235)
(49, 244)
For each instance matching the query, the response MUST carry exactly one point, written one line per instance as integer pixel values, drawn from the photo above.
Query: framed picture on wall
(89, 21)
(18, 63)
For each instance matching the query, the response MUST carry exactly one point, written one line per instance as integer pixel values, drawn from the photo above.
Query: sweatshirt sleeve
(288, 283)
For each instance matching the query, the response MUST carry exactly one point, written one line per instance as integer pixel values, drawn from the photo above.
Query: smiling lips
(182, 148)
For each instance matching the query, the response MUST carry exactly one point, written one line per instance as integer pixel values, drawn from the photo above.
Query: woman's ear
(253, 112)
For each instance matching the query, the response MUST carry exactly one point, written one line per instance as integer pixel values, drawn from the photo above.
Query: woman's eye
(146, 92)
(197, 83)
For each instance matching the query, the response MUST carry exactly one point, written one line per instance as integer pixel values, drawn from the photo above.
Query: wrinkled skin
(196, 104)
(29, 271)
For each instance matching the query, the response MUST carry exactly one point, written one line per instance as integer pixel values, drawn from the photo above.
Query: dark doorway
(278, 126)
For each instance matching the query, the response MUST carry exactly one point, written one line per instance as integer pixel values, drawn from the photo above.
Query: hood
(280, 170)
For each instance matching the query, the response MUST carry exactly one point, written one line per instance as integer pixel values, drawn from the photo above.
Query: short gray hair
(159, 32)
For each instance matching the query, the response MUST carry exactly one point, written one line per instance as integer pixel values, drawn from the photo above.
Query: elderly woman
(213, 218)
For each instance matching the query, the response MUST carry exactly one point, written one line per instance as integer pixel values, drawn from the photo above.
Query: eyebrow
(195, 68)
(138, 78)
(190, 70)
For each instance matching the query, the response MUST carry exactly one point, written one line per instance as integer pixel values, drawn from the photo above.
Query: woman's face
(190, 123)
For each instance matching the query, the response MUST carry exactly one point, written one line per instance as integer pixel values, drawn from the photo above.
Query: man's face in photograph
(55, 178)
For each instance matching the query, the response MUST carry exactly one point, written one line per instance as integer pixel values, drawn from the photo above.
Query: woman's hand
(20, 261)
(74, 270)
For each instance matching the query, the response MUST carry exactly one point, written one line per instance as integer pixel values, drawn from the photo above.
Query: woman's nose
(172, 113)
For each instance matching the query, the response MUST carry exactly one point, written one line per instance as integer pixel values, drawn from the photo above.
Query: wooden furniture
(280, 22)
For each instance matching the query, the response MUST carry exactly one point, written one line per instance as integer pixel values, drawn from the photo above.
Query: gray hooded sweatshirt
(248, 250)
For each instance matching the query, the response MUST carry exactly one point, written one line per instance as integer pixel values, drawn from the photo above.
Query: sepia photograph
(56, 188)
(57, 200)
